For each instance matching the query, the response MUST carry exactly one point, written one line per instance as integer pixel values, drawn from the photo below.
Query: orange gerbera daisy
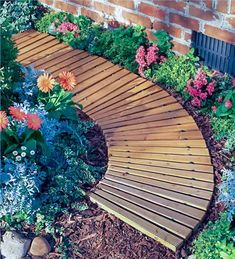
(3, 120)
(67, 80)
(17, 114)
(45, 83)
(34, 122)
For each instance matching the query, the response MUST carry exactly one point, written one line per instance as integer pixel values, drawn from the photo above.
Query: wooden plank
(166, 171)
(35, 51)
(196, 192)
(148, 228)
(56, 53)
(184, 209)
(157, 114)
(162, 177)
(23, 36)
(95, 106)
(163, 222)
(38, 43)
(166, 212)
(115, 76)
(191, 134)
(167, 164)
(31, 41)
(168, 194)
(93, 97)
(41, 55)
(203, 160)
(130, 89)
(164, 150)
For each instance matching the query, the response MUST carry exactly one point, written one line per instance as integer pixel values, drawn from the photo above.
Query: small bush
(177, 70)
(227, 191)
(216, 241)
(120, 45)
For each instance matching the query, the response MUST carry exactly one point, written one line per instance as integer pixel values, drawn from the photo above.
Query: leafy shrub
(177, 70)
(163, 42)
(120, 45)
(227, 192)
(21, 14)
(216, 241)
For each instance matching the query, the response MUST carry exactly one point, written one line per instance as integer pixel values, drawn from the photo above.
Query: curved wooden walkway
(160, 177)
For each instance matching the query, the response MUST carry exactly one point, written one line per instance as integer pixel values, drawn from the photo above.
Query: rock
(39, 247)
(14, 246)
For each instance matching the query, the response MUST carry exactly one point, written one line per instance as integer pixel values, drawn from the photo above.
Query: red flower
(210, 88)
(228, 104)
(67, 80)
(17, 114)
(214, 108)
(76, 35)
(220, 99)
(34, 122)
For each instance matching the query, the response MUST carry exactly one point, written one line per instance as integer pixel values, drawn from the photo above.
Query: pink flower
(66, 27)
(152, 55)
(220, 99)
(196, 102)
(214, 108)
(76, 35)
(228, 104)
(233, 82)
(210, 88)
(34, 122)
(203, 96)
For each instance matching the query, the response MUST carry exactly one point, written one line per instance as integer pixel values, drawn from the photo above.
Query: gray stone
(39, 247)
(14, 245)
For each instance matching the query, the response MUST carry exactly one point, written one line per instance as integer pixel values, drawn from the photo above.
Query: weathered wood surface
(160, 178)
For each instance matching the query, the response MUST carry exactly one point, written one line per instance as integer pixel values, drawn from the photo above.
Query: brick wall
(215, 18)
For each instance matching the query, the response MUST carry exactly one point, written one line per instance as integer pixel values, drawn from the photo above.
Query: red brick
(125, 3)
(137, 19)
(220, 34)
(204, 15)
(232, 10)
(107, 9)
(86, 3)
(208, 3)
(93, 15)
(66, 7)
(172, 30)
(152, 11)
(171, 4)
(48, 2)
(231, 21)
(187, 36)
(183, 49)
(150, 35)
(184, 21)
(222, 6)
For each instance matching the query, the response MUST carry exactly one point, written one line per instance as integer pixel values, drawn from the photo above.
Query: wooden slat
(160, 178)
(146, 227)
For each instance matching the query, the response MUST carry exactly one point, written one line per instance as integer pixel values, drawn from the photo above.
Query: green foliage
(163, 42)
(10, 71)
(120, 45)
(20, 14)
(216, 241)
(177, 70)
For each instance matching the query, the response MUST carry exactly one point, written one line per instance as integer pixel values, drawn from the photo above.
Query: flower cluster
(200, 88)
(147, 57)
(46, 83)
(66, 27)
(32, 119)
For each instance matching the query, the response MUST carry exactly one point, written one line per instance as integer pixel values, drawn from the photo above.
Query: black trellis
(215, 53)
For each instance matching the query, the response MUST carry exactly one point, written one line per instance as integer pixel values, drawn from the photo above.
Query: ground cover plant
(40, 118)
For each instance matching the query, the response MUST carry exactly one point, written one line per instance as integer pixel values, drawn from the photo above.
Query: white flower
(23, 148)
(15, 153)
(23, 154)
(32, 152)
(18, 158)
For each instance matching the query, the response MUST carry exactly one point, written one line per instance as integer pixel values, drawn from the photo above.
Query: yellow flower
(45, 83)
(67, 80)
